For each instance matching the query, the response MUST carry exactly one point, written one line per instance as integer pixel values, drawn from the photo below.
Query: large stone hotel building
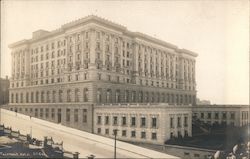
(95, 75)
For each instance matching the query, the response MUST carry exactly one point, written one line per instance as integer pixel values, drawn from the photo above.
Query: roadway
(75, 140)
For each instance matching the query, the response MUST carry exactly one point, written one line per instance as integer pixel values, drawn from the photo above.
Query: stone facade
(150, 123)
(236, 115)
(73, 115)
(93, 53)
(4, 90)
(92, 61)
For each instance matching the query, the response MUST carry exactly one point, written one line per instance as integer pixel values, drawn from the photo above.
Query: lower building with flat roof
(148, 123)
(235, 115)
(73, 115)
(144, 122)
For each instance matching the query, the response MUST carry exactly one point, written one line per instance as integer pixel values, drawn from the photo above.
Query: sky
(217, 30)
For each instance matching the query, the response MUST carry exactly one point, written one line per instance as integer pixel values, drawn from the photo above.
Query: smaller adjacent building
(147, 123)
(4, 90)
(75, 115)
(235, 115)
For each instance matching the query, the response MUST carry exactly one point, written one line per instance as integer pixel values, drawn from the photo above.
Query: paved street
(76, 140)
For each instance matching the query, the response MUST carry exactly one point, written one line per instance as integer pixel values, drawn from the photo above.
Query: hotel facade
(72, 74)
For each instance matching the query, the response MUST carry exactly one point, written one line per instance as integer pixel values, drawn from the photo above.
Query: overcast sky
(217, 31)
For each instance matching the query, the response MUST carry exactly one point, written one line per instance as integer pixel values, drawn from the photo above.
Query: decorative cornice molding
(115, 26)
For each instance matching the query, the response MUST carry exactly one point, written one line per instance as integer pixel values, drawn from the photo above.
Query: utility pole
(31, 132)
(115, 133)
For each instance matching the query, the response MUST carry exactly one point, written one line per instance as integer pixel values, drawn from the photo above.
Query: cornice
(107, 23)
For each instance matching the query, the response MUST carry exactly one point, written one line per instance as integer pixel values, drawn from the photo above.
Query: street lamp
(31, 132)
(115, 133)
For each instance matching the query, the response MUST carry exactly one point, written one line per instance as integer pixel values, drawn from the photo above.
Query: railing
(49, 146)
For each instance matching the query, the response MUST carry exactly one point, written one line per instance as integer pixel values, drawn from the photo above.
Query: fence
(50, 147)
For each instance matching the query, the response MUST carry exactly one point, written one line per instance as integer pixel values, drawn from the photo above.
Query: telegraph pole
(115, 133)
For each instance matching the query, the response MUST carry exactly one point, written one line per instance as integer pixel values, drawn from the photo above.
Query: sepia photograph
(124, 79)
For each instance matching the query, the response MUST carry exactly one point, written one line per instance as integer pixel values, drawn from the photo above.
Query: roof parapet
(152, 39)
(24, 41)
(96, 18)
(188, 52)
(39, 33)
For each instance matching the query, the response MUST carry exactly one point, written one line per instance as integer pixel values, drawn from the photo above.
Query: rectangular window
(143, 135)
(41, 112)
(209, 115)
(202, 115)
(216, 116)
(99, 130)
(224, 115)
(197, 155)
(124, 133)
(47, 112)
(232, 116)
(171, 122)
(133, 121)
(185, 121)
(143, 121)
(124, 122)
(53, 113)
(154, 122)
(107, 131)
(68, 115)
(133, 134)
(106, 120)
(99, 119)
(179, 122)
(99, 76)
(171, 135)
(76, 115)
(84, 118)
(115, 122)
(154, 136)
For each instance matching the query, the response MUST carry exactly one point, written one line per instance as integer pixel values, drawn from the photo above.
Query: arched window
(117, 96)
(109, 96)
(158, 97)
(133, 97)
(42, 97)
(12, 98)
(54, 97)
(146, 97)
(181, 99)
(163, 97)
(99, 95)
(16, 97)
(189, 99)
(140, 96)
(48, 97)
(37, 97)
(126, 96)
(68, 95)
(86, 95)
(60, 95)
(32, 97)
(172, 98)
(77, 95)
(21, 98)
(194, 100)
(177, 99)
(27, 97)
(153, 97)
(185, 99)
